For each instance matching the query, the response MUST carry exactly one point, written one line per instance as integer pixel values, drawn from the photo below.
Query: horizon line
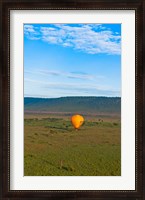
(69, 97)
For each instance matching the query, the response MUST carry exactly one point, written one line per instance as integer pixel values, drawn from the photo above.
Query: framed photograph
(72, 101)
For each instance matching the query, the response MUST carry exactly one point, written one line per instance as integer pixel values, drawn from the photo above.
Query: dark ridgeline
(74, 104)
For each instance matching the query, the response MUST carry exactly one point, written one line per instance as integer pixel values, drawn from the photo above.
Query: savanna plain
(52, 147)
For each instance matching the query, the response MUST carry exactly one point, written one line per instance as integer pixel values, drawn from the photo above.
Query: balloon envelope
(77, 121)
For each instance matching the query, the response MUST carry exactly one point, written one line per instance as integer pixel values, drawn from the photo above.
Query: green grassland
(52, 147)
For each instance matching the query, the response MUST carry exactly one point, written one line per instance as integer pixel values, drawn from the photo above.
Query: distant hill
(74, 104)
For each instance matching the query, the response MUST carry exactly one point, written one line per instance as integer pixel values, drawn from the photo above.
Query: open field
(54, 148)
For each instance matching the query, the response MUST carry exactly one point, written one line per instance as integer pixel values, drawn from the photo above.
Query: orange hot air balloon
(77, 121)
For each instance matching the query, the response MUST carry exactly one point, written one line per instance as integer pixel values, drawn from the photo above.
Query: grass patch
(54, 148)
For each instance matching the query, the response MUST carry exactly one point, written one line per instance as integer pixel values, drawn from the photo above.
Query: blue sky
(72, 60)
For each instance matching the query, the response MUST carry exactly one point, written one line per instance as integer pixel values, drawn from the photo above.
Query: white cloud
(31, 32)
(68, 89)
(73, 75)
(89, 38)
(73, 86)
(29, 28)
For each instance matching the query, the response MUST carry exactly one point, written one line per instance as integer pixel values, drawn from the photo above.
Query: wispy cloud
(72, 75)
(89, 38)
(31, 32)
(74, 88)
(68, 74)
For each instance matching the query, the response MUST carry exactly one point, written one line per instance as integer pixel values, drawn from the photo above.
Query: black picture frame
(6, 6)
